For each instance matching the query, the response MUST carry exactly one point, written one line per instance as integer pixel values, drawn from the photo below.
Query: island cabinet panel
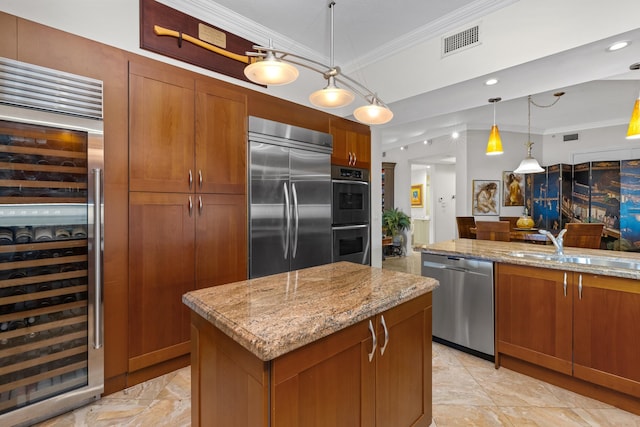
(606, 333)
(534, 316)
(351, 144)
(161, 129)
(161, 270)
(346, 380)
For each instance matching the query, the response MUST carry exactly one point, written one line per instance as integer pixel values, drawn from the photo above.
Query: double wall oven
(350, 214)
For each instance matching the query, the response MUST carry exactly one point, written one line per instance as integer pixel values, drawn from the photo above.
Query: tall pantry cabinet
(187, 202)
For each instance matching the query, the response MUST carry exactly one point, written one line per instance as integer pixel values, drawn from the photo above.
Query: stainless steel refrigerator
(51, 210)
(289, 197)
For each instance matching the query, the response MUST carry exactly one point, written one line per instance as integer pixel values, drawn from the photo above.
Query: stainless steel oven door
(350, 202)
(351, 243)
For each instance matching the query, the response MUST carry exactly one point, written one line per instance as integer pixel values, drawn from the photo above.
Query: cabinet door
(351, 144)
(403, 371)
(221, 239)
(161, 130)
(606, 313)
(534, 317)
(160, 271)
(330, 382)
(221, 140)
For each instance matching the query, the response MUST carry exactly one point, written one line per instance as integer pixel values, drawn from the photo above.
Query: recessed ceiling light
(491, 82)
(618, 45)
(455, 135)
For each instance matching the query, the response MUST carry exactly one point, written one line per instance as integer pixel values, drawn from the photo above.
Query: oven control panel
(351, 174)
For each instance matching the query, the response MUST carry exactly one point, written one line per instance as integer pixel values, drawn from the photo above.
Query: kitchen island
(569, 319)
(341, 344)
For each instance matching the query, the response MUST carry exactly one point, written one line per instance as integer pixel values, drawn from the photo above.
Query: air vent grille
(461, 40)
(570, 137)
(31, 86)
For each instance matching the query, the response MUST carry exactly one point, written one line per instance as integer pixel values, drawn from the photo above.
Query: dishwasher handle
(450, 268)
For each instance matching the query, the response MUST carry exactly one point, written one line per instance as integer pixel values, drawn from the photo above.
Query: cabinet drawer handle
(564, 284)
(190, 206)
(200, 177)
(386, 336)
(375, 341)
(190, 179)
(580, 287)
(355, 159)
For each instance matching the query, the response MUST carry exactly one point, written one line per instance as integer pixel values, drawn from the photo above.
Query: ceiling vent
(461, 40)
(570, 137)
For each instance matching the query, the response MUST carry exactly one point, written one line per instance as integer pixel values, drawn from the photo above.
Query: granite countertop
(503, 252)
(273, 315)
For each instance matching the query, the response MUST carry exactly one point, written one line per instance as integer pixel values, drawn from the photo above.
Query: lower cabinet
(581, 325)
(178, 240)
(346, 379)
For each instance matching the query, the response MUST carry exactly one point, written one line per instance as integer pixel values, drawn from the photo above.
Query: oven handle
(345, 181)
(350, 227)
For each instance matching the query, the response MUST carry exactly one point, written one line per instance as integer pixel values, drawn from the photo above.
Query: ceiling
(599, 87)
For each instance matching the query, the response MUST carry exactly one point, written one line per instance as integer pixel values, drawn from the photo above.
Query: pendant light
(373, 113)
(494, 145)
(634, 124)
(271, 71)
(529, 164)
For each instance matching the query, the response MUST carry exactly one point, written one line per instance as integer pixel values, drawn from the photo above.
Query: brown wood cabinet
(351, 144)
(187, 203)
(580, 325)
(605, 332)
(341, 380)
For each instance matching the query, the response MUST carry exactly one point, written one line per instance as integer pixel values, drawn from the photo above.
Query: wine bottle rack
(43, 263)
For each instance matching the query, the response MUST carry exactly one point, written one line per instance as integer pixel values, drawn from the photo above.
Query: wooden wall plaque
(153, 13)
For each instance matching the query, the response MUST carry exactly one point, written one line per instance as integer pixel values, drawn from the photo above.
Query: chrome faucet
(557, 240)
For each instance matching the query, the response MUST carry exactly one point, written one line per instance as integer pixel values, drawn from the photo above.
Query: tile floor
(467, 391)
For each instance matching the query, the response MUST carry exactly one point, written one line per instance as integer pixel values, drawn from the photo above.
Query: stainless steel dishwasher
(463, 303)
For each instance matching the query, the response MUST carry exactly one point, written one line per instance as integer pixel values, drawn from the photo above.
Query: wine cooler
(51, 162)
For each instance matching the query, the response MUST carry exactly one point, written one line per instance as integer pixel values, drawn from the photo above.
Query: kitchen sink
(576, 259)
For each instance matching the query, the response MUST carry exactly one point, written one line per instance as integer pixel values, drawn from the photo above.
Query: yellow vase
(525, 222)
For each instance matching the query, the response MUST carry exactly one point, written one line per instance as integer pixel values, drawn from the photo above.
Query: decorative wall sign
(512, 189)
(416, 196)
(172, 33)
(485, 197)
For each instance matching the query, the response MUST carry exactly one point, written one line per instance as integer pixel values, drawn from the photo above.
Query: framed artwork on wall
(486, 196)
(416, 196)
(512, 189)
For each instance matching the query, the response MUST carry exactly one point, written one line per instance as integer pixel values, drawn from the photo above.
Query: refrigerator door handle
(287, 207)
(296, 218)
(97, 242)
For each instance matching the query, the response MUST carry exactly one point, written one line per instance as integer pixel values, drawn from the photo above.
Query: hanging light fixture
(494, 145)
(634, 124)
(267, 62)
(529, 164)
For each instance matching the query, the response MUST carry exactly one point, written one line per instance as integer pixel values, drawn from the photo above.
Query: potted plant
(394, 220)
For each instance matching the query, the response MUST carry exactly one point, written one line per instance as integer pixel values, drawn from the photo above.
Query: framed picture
(485, 197)
(512, 189)
(416, 196)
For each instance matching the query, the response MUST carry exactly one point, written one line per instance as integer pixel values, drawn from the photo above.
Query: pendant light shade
(271, 71)
(634, 124)
(373, 113)
(494, 145)
(529, 164)
(331, 96)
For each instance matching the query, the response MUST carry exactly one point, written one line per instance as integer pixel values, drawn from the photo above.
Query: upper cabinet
(186, 135)
(221, 140)
(161, 139)
(351, 144)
